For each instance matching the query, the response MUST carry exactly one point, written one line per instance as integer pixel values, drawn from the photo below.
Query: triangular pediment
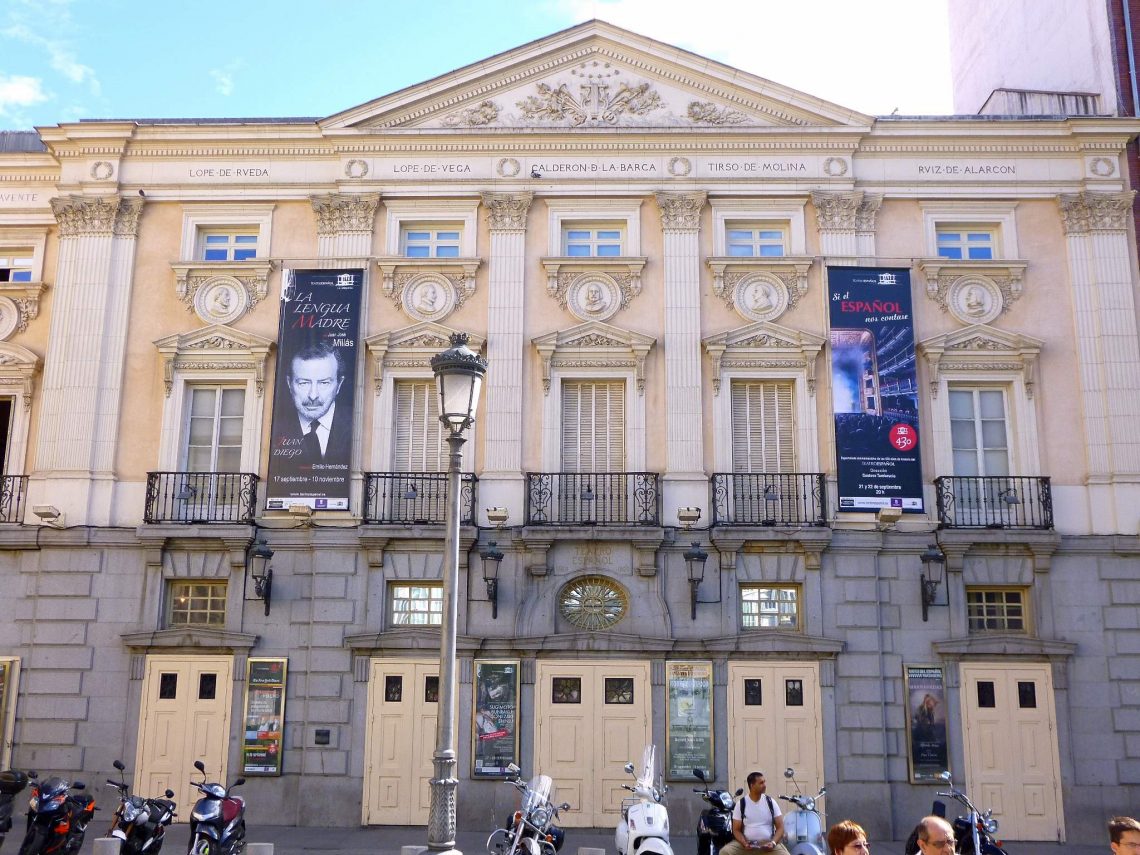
(423, 336)
(594, 335)
(981, 339)
(764, 335)
(592, 76)
(216, 337)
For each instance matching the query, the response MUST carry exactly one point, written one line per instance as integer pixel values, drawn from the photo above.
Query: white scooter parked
(644, 824)
(803, 828)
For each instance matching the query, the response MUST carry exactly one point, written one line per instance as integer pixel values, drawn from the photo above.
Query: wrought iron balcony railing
(593, 498)
(415, 498)
(1006, 501)
(770, 499)
(13, 491)
(201, 497)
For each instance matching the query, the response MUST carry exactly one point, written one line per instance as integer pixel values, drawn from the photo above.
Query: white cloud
(61, 57)
(224, 81)
(17, 91)
(871, 56)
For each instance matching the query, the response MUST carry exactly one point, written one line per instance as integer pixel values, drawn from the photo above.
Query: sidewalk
(387, 840)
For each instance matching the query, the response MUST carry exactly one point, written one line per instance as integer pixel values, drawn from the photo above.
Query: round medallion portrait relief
(974, 300)
(594, 298)
(221, 300)
(9, 317)
(428, 297)
(760, 297)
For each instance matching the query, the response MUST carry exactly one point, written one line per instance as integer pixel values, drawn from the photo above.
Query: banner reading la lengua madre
(310, 455)
(874, 389)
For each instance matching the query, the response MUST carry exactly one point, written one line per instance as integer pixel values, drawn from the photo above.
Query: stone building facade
(639, 241)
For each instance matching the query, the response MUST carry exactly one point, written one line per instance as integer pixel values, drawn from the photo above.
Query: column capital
(507, 211)
(97, 215)
(1090, 211)
(345, 212)
(681, 212)
(843, 211)
(867, 211)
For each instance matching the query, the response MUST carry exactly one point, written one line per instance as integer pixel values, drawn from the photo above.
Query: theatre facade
(882, 372)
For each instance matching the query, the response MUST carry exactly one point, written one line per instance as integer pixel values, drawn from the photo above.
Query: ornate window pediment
(764, 345)
(214, 352)
(220, 292)
(18, 367)
(981, 351)
(760, 289)
(594, 345)
(412, 348)
(593, 288)
(428, 289)
(975, 292)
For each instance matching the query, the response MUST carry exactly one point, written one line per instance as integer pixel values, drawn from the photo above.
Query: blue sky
(63, 60)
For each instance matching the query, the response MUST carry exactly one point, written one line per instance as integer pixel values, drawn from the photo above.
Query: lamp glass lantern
(260, 572)
(492, 558)
(933, 563)
(695, 559)
(459, 376)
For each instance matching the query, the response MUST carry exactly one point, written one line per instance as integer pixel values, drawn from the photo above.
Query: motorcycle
(804, 827)
(12, 783)
(644, 823)
(531, 830)
(139, 823)
(714, 826)
(58, 813)
(217, 822)
(974, 831)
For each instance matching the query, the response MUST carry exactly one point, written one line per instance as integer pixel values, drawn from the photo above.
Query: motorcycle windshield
(540, 791)
(648, 764)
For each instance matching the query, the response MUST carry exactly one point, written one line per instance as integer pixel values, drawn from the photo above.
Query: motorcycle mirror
(198, 765)
(564, 806)
(629, 768)
(823, 791)
(789, 772)
(513, 769)
(118, 764)
(945, 775)
(238, 782)
(740, 791)
(78, 785)
(699, 775)
(169, 794)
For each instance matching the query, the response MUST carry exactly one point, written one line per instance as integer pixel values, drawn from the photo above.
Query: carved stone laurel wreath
(479, 116)
(429, 295)
(594, 295)
(973, 297)
(221, 296)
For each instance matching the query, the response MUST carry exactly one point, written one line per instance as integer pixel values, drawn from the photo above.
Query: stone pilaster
(1108, 349)
(83, 367)
(684, 424)
(501, 422)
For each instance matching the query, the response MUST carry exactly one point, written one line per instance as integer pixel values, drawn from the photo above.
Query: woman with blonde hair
(847, 838)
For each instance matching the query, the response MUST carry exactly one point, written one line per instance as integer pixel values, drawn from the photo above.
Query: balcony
(13, 491)
(783, 499)
(1004, 502)
(200, 497)
(415, 498)
(593, 498)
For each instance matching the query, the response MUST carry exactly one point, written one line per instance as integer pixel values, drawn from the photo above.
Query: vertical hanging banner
(874, 389)
(310, 453)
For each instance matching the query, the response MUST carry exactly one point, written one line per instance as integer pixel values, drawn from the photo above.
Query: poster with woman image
(926, 722)
(496, 706)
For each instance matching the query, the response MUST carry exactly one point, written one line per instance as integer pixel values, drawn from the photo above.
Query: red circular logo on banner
(904, 437)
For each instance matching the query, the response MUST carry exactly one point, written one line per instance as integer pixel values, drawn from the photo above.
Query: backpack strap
(771, 809)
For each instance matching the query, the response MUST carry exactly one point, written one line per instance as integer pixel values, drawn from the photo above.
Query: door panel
(1011, 754)
(774, 722)
(591, 719)
(180, 723)
(399, 742)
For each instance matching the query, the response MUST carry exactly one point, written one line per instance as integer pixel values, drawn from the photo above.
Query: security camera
(47, 513)
(688, 516)
(498, 516)
(299, 510)
(888, 515)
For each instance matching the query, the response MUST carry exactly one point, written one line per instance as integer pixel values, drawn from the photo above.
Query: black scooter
(139, 823)
(973, 832)
(58, 813)
(217, 822)
(12, 783)
(714, 827)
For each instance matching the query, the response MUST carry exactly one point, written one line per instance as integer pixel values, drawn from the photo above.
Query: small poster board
(264, 722)
(928, 752)
(9, 681)
(495, 731)
(689, 735)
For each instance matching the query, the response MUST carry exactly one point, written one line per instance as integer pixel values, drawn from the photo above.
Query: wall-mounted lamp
(1009, 496)
(933, 563)
(695, 558)
(49, 515)
(492, 558)
(588, 494)
(185, 493)
(771, 494)
(257, 561)
(411, 494)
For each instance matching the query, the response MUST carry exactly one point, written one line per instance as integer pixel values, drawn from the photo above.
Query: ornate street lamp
(933, 562)
(257, 558)
(695, 558)
(459, 376)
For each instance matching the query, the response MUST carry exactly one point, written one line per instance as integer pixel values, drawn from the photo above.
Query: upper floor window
(763, 426)
(227, 245)
(196, 603)
(592, 241)
(996, 610)
(214, 430)
(16, 265)
(420, 604)
(430, 241)
(744, 240)
(967, 243)
(770, 607)
(978, 431)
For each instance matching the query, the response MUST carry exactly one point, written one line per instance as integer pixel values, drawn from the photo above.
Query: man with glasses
(935, 836)
(1124, 832)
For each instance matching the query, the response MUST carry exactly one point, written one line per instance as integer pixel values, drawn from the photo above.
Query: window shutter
(763, 432)
(593, 426)
(419, 433)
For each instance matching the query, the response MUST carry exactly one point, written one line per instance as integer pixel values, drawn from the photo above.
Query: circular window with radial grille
(593, 602)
